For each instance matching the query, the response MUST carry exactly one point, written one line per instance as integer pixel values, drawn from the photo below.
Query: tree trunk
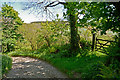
(48, 42)
(8, 48)
(74, 33)
(32, 45)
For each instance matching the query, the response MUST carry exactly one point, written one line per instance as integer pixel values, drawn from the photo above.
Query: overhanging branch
(52, 4)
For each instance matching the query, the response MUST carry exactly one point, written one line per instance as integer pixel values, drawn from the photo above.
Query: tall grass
(6, 64)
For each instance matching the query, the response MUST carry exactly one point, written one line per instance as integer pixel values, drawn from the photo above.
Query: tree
(71, 12)
(55, 32)
(30, 36)
(117, 15)
(10, 23)
(103, 16)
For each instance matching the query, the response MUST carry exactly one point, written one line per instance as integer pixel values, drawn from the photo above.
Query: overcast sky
(28, 17)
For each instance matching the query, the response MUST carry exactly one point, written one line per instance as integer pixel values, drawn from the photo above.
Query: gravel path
(26, 67)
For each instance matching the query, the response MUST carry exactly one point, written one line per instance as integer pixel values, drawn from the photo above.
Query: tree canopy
(10, 23)
(104, 16)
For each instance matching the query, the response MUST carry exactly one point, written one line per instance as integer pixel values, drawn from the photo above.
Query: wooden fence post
(93, 42)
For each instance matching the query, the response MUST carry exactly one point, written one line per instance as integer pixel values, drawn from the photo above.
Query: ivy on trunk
(74, 31)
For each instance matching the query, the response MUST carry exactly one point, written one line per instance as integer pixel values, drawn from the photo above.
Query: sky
(27, 16)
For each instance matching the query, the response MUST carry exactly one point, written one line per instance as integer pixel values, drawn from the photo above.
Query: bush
(108, 72)
(84, 44)
(111, 68)
(113, 53)
(65, 50)
(92, 71)
(6, 64)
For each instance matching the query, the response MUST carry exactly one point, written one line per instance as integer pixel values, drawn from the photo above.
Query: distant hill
(40, 21)
(43, 21)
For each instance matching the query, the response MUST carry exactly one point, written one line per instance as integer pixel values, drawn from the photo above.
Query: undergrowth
(6, 64)
(79, 66)
(85, 65)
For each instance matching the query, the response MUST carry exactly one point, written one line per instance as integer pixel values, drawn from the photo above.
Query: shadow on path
(25, 67)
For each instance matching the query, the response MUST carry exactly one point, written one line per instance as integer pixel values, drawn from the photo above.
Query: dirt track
(25, 67)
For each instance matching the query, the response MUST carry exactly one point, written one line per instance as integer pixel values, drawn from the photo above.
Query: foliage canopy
(10, 23)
